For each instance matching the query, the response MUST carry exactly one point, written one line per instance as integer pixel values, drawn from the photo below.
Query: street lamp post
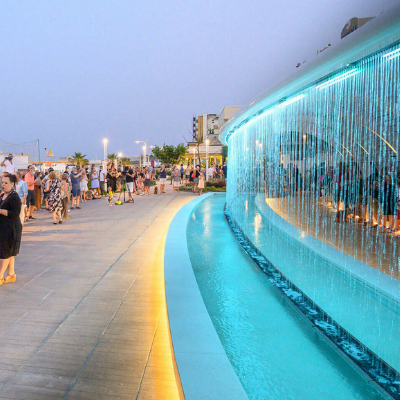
(105, 142)
(207, 142)
(119, 155)
(144, 149)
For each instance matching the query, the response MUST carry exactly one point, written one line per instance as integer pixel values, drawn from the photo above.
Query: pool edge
(203, 367)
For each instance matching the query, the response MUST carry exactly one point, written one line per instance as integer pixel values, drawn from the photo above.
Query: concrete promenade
(86, 318)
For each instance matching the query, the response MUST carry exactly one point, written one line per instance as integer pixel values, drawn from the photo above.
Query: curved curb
(204, 369)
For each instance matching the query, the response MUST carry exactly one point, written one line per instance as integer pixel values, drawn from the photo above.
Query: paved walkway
(86, 318)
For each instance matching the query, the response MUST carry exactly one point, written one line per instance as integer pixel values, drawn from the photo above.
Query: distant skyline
(74, 73)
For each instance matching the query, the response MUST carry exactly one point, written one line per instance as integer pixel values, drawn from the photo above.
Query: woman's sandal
(10, 278)
(1, 281)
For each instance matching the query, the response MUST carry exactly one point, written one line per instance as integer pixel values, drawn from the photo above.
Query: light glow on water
(391, 55)
(338, 79)
(328, 165)
(274, 351)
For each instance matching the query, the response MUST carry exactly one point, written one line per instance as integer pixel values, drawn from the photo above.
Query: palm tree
(112, 157)
(78, 159)
(126, 161)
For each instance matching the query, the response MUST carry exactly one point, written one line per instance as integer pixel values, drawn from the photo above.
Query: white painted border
(204, 368)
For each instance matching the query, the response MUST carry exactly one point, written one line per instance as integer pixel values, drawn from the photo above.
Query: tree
(126, 161)
(79, 159)
(170, 154)
(224, 153)
(112, 157)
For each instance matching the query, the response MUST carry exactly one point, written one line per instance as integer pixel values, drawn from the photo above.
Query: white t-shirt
(102, 175)
(9, 167)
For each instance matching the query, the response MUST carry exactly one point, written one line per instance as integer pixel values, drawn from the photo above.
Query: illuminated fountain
(312, 186)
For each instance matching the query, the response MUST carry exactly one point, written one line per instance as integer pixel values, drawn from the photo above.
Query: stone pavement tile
(157, 380)
(133, 366)
(117, 373)
(139, 358)
(11, 364)
(68, 370)
(77, 395)
(64, 356)
(134, 342)
(39, 380)
(112, 376)
(6, 375)
(72, 347)
(12, 391)
(158, 393)
(86, 319)
(153, 371)
(95, 386)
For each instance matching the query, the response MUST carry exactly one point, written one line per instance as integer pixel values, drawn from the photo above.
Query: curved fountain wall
(313, 166)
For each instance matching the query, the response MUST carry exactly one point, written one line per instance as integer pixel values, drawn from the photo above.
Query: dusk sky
(75, 72)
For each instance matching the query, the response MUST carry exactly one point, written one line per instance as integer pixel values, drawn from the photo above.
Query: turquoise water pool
(274, 351)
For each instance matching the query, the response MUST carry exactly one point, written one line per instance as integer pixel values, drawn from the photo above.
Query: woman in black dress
(10, 228)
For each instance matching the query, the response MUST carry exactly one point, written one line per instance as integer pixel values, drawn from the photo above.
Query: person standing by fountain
(342, 178)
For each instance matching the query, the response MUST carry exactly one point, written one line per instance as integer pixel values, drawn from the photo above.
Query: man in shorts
(76, 187)
(129, 181)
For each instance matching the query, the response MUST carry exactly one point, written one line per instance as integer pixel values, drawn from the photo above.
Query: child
(201, 183)
(110, 197)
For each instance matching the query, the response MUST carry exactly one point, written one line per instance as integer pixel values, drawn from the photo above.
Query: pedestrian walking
(55, 202)
(65, 195)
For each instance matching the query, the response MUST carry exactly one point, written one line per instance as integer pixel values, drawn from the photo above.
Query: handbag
(194, 175)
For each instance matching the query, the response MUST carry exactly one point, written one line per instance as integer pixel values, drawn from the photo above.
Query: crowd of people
(372, 198)
(25, 191)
